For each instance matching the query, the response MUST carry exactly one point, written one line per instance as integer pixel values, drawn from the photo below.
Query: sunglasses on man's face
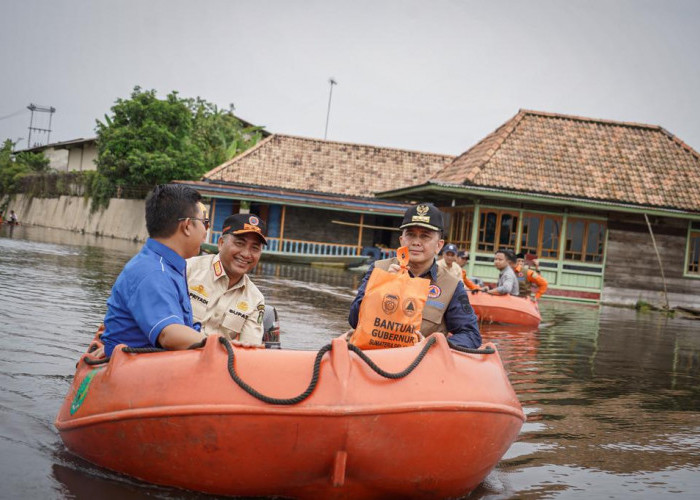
(204, 220)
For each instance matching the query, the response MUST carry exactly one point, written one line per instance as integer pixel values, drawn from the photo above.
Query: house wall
(313, 224)
(58, 158)
(632, 271)
(82, 158)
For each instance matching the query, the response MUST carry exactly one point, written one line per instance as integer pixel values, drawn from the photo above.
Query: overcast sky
(430, 75)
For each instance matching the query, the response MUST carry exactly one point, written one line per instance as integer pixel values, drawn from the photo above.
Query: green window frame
(692, 266)
(585, 240)
(540, 235)
(460, 230)
(497, 229)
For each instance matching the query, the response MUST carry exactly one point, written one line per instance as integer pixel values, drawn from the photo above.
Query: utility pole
(39, 109)
(328, 114)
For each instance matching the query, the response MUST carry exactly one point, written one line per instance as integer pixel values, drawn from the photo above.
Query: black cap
(450, 247)
(463, 254)
(244, 223)
(424, 215)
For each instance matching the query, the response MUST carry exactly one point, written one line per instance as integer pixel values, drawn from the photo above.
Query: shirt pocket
(232, 324)
(432, 319)
(199, 307)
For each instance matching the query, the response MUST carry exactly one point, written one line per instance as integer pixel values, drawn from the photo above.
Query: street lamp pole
(332, 82)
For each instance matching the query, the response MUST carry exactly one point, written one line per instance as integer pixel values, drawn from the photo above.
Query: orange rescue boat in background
(418, 422)
(505, 309)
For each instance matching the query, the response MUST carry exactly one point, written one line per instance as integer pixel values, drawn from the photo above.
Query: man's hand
(99, 352)
(394, 268)
(238, 343)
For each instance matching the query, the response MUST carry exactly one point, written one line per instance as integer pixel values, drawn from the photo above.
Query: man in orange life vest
(447, 309)
(462, 258)
(528, 277)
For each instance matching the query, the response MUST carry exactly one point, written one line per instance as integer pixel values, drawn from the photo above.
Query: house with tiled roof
(317, 196)
(612, 209)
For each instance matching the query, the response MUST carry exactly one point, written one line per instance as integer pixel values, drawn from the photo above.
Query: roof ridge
(345, 143)
(589, 119)
(680, 143)
(501, 134)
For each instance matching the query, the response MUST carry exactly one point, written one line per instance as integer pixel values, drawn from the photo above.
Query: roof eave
(446, 189)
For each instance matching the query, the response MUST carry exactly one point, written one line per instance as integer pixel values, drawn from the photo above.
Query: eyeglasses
(204, 221)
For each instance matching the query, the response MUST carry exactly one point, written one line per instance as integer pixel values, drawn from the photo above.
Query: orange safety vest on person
(469, 283)
(526, 278)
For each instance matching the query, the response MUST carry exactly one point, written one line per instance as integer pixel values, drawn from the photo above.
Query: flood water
(612, 395)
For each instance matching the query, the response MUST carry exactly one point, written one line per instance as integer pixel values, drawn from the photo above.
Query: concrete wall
(123, 219)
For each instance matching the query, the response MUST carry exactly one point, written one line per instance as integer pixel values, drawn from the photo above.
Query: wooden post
(562, 247)
(284, 211)
(211, 219)
(359, 235)
(658, 257)
(474, 236)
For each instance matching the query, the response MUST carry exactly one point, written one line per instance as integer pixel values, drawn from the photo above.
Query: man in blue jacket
(150, 305)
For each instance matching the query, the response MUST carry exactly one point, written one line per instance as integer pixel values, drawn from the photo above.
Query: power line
(18, 112)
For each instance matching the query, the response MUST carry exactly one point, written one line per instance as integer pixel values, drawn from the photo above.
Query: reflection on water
(612, 396)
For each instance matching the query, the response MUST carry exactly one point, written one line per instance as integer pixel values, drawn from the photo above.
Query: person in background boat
(507, 282)
(449, 260)
(447, 309)
(462, 259)
(224, 299)
(13, 218)
(527, 277)
(149, 305)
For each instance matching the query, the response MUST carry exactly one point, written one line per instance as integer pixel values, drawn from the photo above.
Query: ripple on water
(611, 395)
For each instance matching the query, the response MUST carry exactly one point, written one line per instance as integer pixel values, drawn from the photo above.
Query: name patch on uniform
(199, 289)
(196, 297)
(242, 306)
(434, 291)
(218, 271)
(435, 303)
(238, 313)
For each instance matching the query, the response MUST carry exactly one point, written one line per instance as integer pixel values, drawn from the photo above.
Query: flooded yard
(612, 395)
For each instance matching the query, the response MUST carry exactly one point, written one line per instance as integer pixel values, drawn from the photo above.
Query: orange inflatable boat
(418, 422)
(505, 309)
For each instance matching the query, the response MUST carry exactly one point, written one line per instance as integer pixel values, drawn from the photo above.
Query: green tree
(14, 167)
(148, 141)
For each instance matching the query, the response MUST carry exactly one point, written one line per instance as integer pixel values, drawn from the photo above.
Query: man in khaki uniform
(224, 300)
(449, 261)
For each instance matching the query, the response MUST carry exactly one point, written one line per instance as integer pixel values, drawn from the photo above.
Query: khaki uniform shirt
(452, 269)
(235, 312)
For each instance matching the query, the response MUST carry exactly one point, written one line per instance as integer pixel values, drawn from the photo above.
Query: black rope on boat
(134, 350)
(485, 350)
(401, 374)
(93, 362)
(199, 344)
(267, 399)
(142, 350)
